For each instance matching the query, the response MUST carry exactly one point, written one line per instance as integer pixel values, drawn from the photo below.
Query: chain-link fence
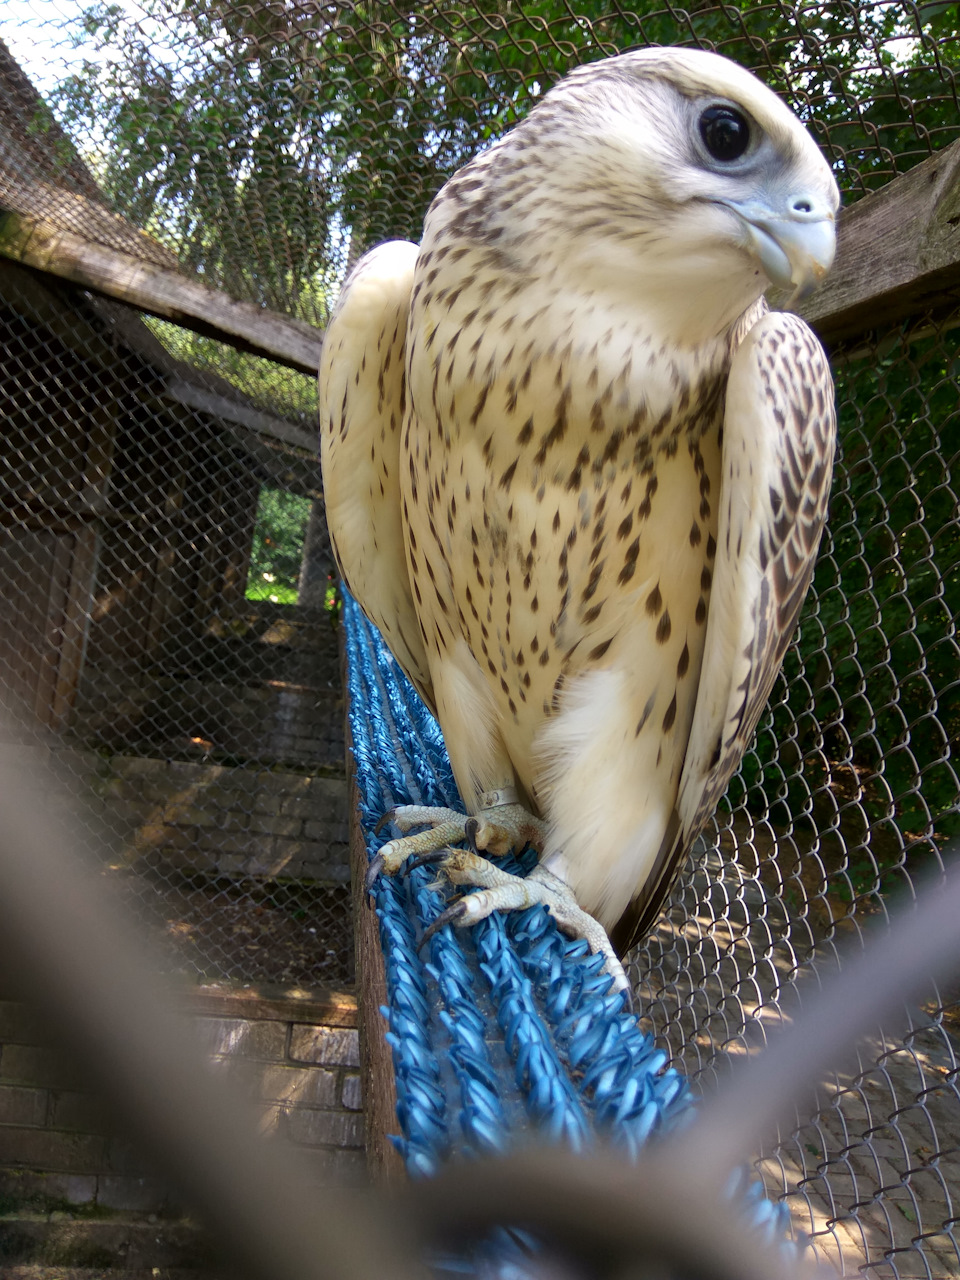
(844, 801)
(164, 568)
(155, 528)
(202, 727)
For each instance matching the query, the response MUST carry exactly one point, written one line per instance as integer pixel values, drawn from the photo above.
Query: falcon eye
(725, 133)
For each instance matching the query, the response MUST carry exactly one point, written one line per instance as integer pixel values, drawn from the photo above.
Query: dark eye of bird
(725, 133)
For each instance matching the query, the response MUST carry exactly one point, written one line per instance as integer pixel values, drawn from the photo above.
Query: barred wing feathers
(778, 446)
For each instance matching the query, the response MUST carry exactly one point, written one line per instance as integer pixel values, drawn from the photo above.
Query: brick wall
(297, 1061)
(225, 820)
(158, 714)
(304, 1075)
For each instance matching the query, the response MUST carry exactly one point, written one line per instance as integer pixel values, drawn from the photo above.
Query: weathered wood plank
(898, 254)
(42, 245)
(264, 424)
(331, 1007)
(49, 303)
(377, 1081)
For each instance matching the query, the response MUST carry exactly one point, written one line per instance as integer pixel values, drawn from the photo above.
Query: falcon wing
(778, 445)
(362, 402)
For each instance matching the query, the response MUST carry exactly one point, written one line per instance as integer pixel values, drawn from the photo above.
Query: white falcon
(576, 472)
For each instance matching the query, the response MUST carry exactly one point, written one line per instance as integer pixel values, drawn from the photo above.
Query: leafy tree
(263, 141)
(277, 546)
(279, 391)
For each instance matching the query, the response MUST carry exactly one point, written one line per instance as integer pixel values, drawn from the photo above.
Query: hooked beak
(795, 245)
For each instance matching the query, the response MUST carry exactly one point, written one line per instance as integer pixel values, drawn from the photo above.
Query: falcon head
(679, 166)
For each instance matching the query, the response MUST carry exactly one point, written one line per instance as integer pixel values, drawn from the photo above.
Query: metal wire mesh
(262, 148)
(203, 727)
(843, 802)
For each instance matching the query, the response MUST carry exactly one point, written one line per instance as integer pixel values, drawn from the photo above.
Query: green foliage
(279, 391)
(214, 129)
(896, 548)
(261, 141)
(277, 546)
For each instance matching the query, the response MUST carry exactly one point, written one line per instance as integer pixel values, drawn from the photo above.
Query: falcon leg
(500, 891)
(496, 831)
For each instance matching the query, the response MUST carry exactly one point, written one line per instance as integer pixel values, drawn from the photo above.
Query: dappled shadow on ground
(255, 933)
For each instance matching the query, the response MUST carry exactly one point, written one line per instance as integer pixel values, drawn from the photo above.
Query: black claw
(450, 916)
(385, 818)
(373, 871)
(438, 855)
(470, 829)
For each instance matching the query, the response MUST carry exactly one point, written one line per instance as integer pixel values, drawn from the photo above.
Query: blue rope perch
(508, 1028)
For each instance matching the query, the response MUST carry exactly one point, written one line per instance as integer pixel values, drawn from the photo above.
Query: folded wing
(778, 447)
(362, 406)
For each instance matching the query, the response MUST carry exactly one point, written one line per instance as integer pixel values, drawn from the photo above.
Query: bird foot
(500, 891)
(496, 831)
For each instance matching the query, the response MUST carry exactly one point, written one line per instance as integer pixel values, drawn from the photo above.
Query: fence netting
(169, 614)
(147, 551)
(844, 801)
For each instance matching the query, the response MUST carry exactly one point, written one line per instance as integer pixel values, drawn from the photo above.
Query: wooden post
(316, 565)
(376, 1059)
(74, 627)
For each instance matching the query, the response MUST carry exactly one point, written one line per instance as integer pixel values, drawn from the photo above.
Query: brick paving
(261, 683)
(224, 820)
(874, 1175)
(64, 1178)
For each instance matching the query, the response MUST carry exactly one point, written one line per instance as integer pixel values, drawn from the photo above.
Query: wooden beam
(331, 1007)
(39, 243)
(377, 1082)
(199, 388)
(194, 397)
(898, 254)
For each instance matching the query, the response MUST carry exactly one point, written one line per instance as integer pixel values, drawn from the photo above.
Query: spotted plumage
(576, 473)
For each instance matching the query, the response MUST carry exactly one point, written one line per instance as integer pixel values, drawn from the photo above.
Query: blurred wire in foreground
(70, 953)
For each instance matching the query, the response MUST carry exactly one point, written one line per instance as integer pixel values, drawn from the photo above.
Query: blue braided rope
(507, 1028)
